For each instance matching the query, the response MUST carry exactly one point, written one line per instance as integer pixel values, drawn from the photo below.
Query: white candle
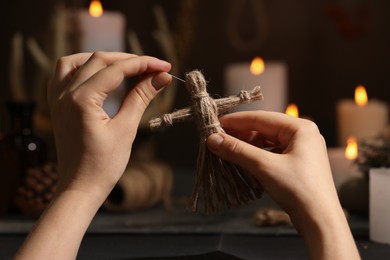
(343, 169)
(360, 121)
(273, 82)
(104, 33)
(379, 205)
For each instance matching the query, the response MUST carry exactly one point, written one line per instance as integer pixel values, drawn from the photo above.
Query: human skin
(294, 170)
(92, 148)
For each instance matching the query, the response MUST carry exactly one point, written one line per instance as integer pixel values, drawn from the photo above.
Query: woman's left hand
(92, 148)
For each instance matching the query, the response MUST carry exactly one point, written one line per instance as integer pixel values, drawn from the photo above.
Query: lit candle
(102, 30)
(271, 76)
(361, 118)
(341, 163)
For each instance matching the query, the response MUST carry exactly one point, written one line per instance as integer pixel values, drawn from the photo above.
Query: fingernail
(161, 80)
(214, 141)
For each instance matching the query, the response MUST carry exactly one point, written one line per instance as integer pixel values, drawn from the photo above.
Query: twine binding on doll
(221, 184)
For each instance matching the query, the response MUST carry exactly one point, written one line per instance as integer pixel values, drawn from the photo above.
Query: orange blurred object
(351, 151)
(292, 110)
(361, 98)
(95, 8)
(257, 66)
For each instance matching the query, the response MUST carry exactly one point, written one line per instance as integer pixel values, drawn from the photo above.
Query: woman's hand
(93, 149)
(294, 170)
(295, 176)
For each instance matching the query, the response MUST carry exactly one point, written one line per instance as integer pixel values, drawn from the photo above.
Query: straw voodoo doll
(223, 184)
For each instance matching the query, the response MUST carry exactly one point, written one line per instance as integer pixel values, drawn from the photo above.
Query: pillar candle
(360, 121)
(273, 82)
(104, 33)
(343, 169)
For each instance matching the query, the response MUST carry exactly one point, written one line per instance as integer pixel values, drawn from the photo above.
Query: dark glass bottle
(20, 149)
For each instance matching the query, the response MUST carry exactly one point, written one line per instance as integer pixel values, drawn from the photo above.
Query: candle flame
(95, 8)
(257, 66)
(361, 98)
(351, 151)
(292, 110)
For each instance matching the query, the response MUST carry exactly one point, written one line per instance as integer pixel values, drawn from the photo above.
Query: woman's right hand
(293, 169)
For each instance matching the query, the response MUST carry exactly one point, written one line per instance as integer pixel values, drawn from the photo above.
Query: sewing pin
(173, 76)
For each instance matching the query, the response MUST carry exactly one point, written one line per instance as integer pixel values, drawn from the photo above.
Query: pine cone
(37, 190)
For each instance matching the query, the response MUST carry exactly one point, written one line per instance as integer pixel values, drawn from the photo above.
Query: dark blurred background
(329, 47)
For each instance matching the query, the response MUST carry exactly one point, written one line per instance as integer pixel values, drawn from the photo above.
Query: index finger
(97, 61)
(108, 79)
(68, 65)
(75, 69)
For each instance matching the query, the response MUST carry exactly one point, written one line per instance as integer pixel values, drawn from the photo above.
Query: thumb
(249, 157)
(140, 96)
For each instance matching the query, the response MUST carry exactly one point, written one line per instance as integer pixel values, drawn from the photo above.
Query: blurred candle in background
(341, 162)
(101, 30)
(270, 75)
(361, 118)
